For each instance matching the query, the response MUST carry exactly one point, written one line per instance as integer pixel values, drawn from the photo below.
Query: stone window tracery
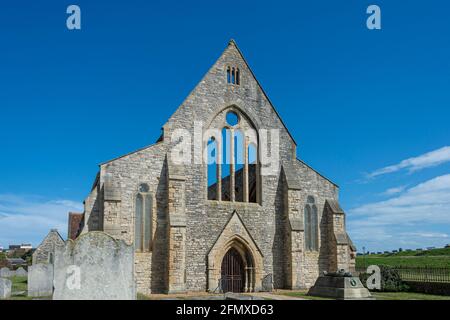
(232, 172)
(143, 219)
(233, 75)
(311, 225)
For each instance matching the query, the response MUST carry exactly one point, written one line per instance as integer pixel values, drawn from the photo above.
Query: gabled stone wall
(45, 252)
(187, 224)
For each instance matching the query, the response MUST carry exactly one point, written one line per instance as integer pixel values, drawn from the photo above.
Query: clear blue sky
(355, 100)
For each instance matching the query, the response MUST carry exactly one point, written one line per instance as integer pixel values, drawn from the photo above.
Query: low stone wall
(94, 267)
(40, 280)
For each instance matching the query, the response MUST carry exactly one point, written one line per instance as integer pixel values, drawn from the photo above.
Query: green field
(437, 258)
(19, 284)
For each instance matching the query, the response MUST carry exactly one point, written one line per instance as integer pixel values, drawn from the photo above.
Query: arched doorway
(233, 272)
(233, 239)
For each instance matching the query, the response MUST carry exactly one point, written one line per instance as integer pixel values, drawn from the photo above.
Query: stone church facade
(210, 225)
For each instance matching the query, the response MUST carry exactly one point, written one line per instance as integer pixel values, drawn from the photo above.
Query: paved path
(208, 296)
(271, 296)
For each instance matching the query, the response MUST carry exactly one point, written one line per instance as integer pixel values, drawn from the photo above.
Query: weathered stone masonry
(191, 234)
(45, 252)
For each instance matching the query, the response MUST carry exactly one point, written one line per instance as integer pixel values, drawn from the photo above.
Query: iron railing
(419, 274)
(424, 274)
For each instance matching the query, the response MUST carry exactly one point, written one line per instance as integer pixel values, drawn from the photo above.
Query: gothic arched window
(252, 171)
(212, 168)
(239, 163)
(143, 219)
(225, 165)
(311, 225)
(232, 169)
(233, 76)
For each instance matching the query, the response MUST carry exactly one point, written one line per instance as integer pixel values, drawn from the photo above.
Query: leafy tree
(3, 260)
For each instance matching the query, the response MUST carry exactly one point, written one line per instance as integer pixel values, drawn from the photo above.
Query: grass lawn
(21, 297)
(407, 296)
(19, 284)
(377, 295)
(301, 294)
(141, 296)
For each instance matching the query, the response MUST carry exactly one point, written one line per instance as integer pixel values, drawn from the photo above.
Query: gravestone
(5, 273)
(5, 288)
(21, 272)
(40, 280)
(94, 267)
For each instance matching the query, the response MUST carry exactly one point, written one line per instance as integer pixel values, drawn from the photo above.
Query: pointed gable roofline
(235, 213)
(321, 175)
(130, 153)
(52, 231)
(233, 43)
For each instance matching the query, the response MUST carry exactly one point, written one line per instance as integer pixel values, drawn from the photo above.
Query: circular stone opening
(232, 118)
(143, 187)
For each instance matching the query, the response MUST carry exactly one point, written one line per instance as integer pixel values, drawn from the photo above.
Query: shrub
(3, 260)
(390, 279)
